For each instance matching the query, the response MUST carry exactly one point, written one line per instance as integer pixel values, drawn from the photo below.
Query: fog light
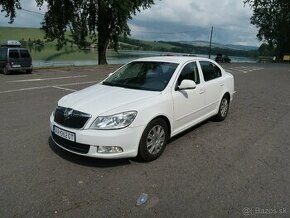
(109, 149)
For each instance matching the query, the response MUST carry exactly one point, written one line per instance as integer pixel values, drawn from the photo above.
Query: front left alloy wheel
(153, 140)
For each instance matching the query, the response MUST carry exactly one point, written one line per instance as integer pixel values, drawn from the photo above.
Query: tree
(10, 6)
(272, 17)
(104, 19)
(266, 50)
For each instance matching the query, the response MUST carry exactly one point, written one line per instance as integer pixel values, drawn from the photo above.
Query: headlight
(116, 121)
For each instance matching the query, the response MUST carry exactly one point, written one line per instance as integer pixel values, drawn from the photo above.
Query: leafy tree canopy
(266, 50)
(272, 17)
(104, 19)
(9, 6)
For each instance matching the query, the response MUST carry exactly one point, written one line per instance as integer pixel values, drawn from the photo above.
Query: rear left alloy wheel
(223, 109)
(5, 71)
(153, 140)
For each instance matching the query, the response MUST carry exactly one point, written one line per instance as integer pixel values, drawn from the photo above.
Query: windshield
(153, 76)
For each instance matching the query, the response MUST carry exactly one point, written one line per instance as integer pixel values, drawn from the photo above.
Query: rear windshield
(13, 53)
(24, 53)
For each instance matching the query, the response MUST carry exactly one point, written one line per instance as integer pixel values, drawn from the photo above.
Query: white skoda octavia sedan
(136, 109)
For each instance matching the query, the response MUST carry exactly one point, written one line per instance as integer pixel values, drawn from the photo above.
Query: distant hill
(218, 45)
(242, 47)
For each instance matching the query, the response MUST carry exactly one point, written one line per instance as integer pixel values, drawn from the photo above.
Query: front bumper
(127, 138)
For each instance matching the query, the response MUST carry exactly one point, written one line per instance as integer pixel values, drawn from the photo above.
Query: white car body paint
(182, 108)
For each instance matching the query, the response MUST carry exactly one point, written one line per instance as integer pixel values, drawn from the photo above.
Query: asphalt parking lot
(236, 168)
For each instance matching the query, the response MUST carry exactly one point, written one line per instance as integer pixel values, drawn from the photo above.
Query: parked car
(135, 110)
(222, 58)
(14, 58)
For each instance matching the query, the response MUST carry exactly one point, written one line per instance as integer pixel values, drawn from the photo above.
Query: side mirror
(186, 84)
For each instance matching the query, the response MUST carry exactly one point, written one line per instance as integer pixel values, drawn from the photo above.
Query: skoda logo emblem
(67, 113)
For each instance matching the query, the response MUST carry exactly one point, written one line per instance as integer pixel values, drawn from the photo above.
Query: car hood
(98, 99)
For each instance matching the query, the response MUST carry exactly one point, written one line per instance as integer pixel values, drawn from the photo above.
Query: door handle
(222, 84)
(201, 91)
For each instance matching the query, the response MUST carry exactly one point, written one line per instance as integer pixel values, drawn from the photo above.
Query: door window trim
(180, 71)
(221, 72)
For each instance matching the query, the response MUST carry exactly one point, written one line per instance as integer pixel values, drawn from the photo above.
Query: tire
(155, 134)
(223, 109)
(5, 71)
(28, 71)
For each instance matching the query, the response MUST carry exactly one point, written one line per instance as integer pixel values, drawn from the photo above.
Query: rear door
(14, 57)
(25, 58)
(212, 75)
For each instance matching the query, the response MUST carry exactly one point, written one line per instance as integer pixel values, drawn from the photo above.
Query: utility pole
(210, 42)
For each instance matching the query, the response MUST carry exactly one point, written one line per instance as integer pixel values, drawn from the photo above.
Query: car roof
(14, 48)
(173, 59)
(17, 48)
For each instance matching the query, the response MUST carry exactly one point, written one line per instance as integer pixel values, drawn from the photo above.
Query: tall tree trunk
(102, 52)
(103, 32)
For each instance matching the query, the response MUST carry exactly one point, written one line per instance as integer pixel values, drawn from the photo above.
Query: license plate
(64, 134)
(16, 65)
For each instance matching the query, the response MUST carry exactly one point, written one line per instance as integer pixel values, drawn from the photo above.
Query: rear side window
(210, 71)
(3, 54)
(13, 53)
(24, 53)
(189, 72)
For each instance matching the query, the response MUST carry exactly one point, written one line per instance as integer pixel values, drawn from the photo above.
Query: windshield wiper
(128, 86)
(108, 83)
(114, 84)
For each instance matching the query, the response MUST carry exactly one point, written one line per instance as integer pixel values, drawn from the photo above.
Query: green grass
(49, 53)
(18, 33)
(129, 45)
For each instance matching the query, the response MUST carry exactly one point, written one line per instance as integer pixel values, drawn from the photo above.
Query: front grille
(70, 118)
(72, 146)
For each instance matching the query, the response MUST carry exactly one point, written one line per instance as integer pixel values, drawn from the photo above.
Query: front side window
(144, 75)
(210, 71)
(13, 53)
(190, 72)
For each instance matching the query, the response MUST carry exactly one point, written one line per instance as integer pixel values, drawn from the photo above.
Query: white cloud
(26, 17)
(230, 18)
(197, 13)
(227, 16)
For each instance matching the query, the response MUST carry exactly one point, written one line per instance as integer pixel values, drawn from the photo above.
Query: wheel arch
(167, 121)
(227, 95)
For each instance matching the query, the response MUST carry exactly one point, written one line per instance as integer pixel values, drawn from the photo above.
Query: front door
(188, 104)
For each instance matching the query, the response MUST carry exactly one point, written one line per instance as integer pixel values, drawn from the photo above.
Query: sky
(175, 20)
